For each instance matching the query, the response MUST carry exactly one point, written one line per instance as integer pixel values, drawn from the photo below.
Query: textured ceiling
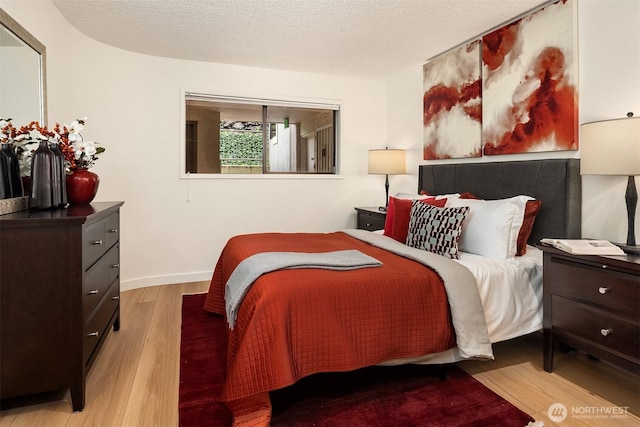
(360, 38)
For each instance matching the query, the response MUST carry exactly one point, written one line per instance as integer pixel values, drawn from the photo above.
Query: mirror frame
(12, 25)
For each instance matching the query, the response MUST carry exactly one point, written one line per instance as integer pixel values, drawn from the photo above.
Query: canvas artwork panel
(530, 89)
(452, 104)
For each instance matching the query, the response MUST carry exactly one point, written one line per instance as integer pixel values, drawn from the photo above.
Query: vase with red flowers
(72, 157)
(82, 184)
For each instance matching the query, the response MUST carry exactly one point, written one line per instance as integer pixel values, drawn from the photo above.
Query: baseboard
(145, 282)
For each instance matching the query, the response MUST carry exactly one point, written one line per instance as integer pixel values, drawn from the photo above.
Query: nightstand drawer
(600, 327)
(368, 220)
(591, 302)
(596, 285)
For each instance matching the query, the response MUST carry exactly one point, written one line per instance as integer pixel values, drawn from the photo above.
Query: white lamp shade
(610, 147)
(387, 162)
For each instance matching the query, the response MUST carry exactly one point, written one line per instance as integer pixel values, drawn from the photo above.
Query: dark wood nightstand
(591, 303)
(370, 219)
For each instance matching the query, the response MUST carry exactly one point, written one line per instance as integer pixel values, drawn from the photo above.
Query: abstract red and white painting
(452, 109)
(530, 89)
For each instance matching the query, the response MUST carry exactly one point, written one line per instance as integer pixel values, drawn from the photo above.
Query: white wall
(173, 230)
(609, 87)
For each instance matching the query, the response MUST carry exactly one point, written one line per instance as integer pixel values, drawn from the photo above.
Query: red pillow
(397, 227)
(468, 195)
(388, 221)
(530, 212)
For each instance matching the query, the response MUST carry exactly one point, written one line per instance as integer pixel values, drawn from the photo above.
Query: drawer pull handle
(96, 242)
(115, 265)
(92, 334)
(113, 230)
(603, 290)
(116, 298)
(93, 292)
(605, 332)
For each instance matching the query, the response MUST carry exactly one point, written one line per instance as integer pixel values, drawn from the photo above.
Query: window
(226, 135)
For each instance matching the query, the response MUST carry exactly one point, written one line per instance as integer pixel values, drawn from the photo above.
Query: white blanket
(511, 293)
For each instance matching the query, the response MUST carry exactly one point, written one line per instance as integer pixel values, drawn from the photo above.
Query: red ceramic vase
(82, 186)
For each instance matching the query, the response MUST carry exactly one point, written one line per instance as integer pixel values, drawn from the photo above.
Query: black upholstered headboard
(556, 182)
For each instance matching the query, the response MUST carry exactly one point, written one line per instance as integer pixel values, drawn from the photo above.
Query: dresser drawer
(597, 285)
(96, 326)
(98, 279)
(97, 238)
(112, 229)
(602, 328)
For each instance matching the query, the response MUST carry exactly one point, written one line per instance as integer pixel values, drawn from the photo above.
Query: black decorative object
(59, 176)
(42, 183)
(5, 182)
(631, 198)
(14, 171)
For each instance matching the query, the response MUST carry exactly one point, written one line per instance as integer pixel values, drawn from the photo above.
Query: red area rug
(411, 395)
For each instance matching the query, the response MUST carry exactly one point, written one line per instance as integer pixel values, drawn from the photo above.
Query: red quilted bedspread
(296, 322)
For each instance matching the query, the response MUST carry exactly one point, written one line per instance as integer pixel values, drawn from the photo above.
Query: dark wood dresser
(370, 219)
(592, 303)
(60, 292)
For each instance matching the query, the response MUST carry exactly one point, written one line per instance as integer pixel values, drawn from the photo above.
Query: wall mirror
(23, 89)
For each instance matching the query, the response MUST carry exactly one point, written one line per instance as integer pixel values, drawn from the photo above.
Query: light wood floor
(134, 381)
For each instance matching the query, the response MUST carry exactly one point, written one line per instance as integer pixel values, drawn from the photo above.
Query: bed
(414, 306)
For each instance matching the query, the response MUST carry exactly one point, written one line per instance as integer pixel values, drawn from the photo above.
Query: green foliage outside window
(240, 148)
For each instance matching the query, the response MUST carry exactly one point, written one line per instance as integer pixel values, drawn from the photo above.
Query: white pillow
(410, 196)
(492, 226)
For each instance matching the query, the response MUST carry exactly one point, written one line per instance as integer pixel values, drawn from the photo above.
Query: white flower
(76, 127)
(85, 149)
(74, 137)
(25, 165)
(35, 134)
(27, 148)
(79, 154)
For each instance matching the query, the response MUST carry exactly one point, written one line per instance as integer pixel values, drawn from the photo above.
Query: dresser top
(70, 214)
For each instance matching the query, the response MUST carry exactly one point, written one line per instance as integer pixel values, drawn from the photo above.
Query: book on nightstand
(584, 246)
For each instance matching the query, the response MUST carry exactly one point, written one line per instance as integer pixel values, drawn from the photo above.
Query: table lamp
(612, 147)
(387, 162)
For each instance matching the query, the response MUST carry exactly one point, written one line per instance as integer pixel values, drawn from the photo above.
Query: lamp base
(629, 249)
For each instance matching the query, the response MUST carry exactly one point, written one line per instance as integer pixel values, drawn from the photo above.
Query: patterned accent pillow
(436, 229)
(399, 213)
